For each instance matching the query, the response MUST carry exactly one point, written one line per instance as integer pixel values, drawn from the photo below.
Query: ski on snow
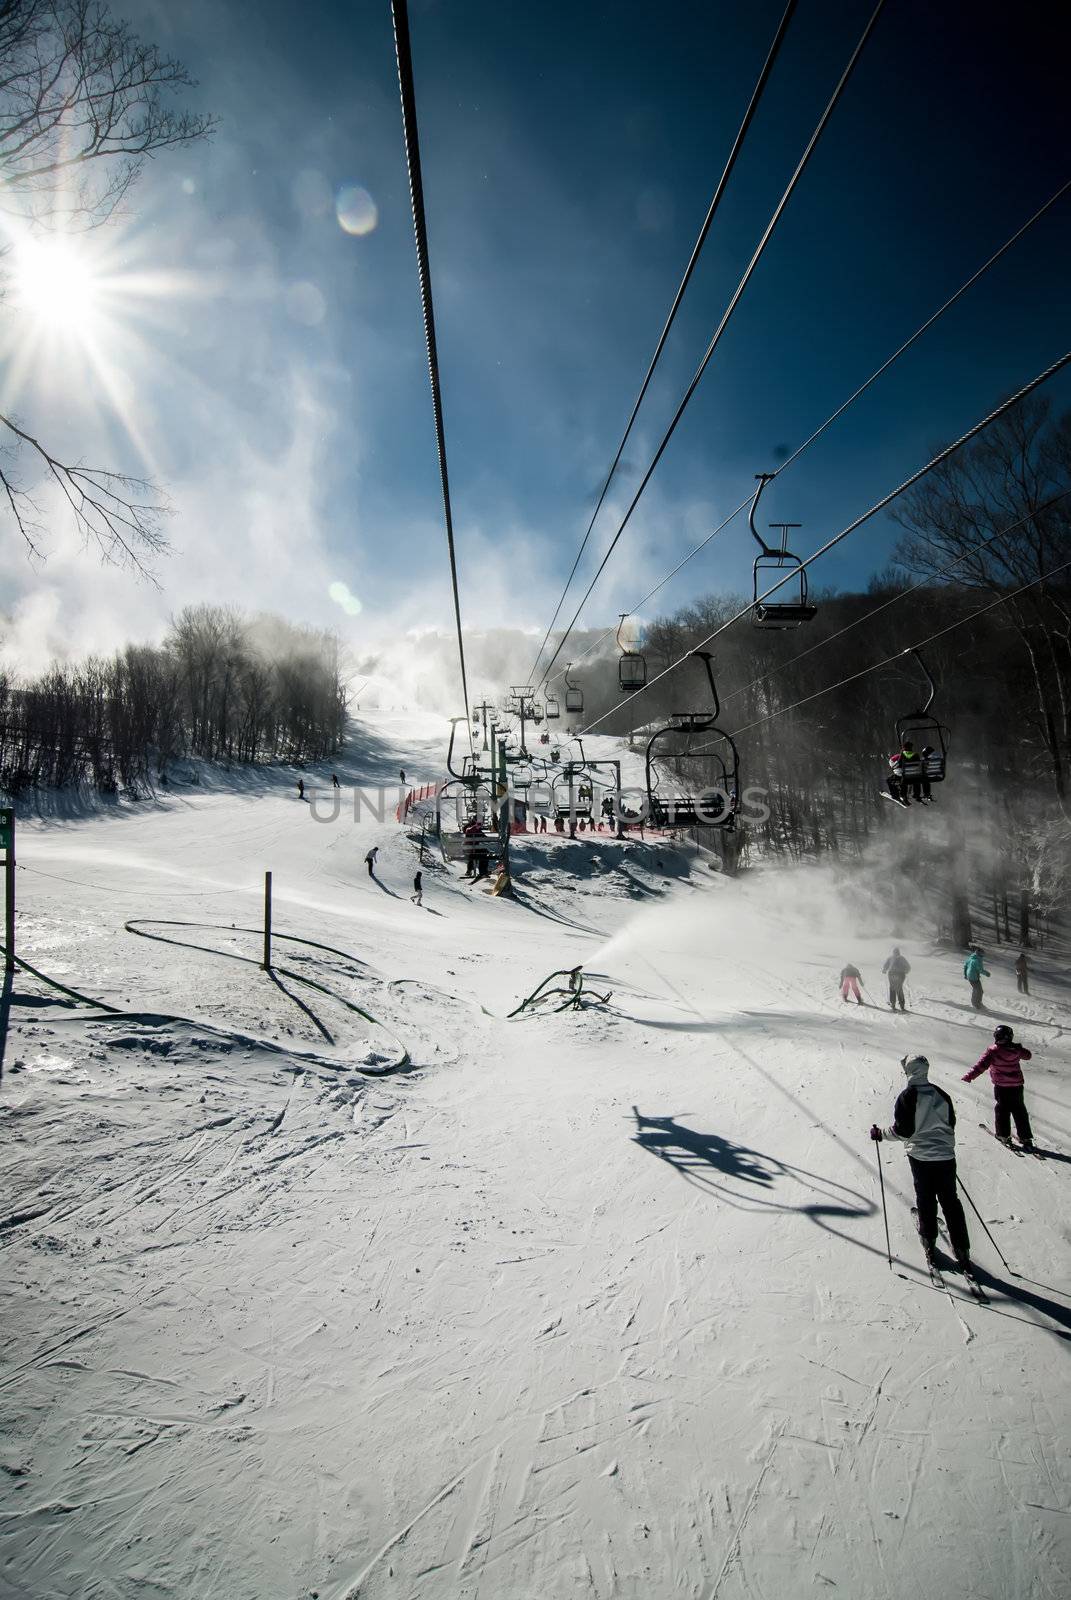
(1016, 1149)
(938, 1279)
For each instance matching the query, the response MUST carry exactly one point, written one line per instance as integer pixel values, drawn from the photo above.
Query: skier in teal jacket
(974, 972)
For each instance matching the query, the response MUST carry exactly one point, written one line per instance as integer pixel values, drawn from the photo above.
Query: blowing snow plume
(724, 948)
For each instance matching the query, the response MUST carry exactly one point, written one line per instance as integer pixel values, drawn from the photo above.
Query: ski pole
(989, 1236)
(884, 1211)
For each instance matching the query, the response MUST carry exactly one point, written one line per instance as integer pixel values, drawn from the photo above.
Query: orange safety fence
(427, 791)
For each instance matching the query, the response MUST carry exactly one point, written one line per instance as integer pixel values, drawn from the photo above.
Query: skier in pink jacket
(1002, 1060)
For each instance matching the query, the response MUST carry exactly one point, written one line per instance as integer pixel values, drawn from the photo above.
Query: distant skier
(1022, 973)
(417, 895)
(897, 968)
(301, 788)
(370, 860)
(334, 781)
(924, 1119)
(1001, 1060)
(974, 972)
(401, 774)
(850, 978)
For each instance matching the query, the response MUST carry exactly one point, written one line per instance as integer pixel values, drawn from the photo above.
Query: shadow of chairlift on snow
(698, 1156)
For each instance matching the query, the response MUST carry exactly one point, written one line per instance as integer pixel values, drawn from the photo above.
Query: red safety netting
(427, 791)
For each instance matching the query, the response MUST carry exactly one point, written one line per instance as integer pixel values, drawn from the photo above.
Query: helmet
(1003, 1034)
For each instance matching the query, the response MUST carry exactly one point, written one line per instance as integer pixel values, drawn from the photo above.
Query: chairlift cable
(407, 91)
(723, 181)
(737, 295)
(854, 526)
(841, 409)
(877, 665)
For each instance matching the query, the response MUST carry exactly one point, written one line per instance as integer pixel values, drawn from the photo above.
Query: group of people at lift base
(896, 968)
(924, 1121)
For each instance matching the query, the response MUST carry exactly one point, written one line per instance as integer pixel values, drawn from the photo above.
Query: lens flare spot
(343, 596)
(356, 210)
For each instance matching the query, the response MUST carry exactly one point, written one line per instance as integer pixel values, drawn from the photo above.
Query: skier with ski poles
(850, 978)
(974, 971)
(1002, 1061)
(924, 1120)
(897, 969)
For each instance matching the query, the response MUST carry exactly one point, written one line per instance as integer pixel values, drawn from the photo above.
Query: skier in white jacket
(924, 1119)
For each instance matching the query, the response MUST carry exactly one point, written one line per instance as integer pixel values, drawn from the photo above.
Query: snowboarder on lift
(897, 969)
(974, 972)
(1002, 1061)
(370, 860)
(850, 978)
(924, 1120)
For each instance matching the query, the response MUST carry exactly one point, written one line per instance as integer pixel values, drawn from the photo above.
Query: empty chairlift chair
(552, 709)
(574, 696)
(715, 805)
(632, 666)
(780, 570)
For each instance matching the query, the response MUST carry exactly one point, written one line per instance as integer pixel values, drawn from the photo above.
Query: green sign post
(7, 845)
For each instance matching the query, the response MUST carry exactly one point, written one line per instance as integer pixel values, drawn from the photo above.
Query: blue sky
(570, 151)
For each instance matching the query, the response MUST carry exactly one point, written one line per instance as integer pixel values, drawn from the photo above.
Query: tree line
(221, 687)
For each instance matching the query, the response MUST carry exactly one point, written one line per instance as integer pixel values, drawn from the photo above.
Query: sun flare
(55, 283)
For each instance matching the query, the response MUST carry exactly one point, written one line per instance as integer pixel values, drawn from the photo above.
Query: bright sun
(55, 284)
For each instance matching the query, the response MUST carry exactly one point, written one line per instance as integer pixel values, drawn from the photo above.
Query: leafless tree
(83, 104)
(1015, 477)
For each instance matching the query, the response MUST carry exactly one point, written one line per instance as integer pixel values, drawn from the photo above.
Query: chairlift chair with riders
(632, 666)
(574, 695)
(924, 739)
(793, 608)
(716, 805)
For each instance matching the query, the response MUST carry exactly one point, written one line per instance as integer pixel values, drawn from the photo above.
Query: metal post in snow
(7, 842)
(267, 922)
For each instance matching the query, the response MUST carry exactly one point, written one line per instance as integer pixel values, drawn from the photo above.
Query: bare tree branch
(118, 514)
(83, 103)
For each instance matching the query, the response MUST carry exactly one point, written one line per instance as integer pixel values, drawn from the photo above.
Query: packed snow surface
(586, 1302)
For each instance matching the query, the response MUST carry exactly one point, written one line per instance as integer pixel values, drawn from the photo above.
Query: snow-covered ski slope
(590, 1303)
